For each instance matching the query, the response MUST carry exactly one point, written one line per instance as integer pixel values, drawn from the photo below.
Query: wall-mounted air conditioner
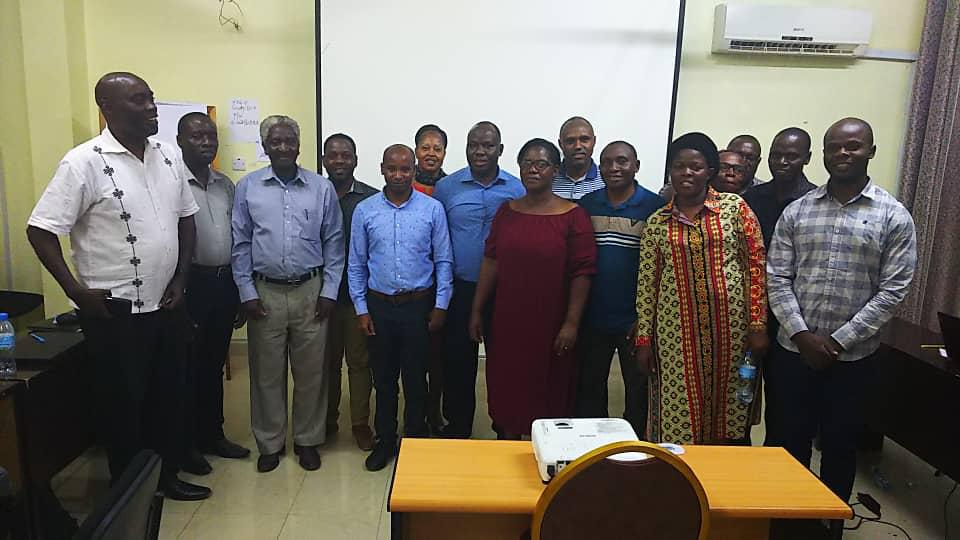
(791, 30)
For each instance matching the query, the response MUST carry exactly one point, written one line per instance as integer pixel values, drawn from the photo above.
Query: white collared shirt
(121, 214)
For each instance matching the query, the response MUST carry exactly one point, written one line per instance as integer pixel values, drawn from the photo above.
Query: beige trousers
(289, 332)
(345, 337)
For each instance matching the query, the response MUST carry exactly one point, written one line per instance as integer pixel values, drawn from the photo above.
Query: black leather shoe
(309, 457)
(178, 490)
(382, 454)
(226, 448)
(269, 462)
(196, 464)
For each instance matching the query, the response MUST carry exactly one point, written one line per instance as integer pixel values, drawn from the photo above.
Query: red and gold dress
(701, 289)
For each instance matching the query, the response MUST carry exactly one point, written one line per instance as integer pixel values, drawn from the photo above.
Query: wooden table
(914, 389)
(489, 489)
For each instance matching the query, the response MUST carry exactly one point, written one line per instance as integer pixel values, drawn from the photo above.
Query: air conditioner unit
(791, 30)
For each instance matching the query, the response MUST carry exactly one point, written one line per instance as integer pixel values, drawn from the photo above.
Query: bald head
(484, 148)
(850, 125)
(112, 85)
(848, 148)
(126, 102)
(484, 126)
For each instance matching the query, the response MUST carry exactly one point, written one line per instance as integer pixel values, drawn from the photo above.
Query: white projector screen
(389, 66)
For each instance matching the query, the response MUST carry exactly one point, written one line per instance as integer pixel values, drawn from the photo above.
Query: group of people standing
(553, 272)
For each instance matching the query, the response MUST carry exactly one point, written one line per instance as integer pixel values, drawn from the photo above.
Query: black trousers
(212, 302)
(399, 348)
(595, 353)
(139, 365)
(460, 361)
(807, 402)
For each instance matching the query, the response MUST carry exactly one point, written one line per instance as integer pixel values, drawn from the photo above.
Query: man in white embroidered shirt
(840, 261)
(123, 199)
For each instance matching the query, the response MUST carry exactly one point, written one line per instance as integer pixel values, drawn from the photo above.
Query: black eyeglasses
(537, 165)
(739, 169)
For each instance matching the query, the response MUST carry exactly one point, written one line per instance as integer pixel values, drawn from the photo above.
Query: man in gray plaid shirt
(840, 262)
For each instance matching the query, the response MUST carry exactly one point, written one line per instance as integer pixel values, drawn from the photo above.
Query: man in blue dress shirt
(470, 197)
(288, 257)
(398, 243)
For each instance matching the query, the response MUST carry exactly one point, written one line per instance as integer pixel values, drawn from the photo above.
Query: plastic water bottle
(747, 374)
(8, 361)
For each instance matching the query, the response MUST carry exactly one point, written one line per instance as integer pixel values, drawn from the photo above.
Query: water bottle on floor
(8, 361)
(747, 375)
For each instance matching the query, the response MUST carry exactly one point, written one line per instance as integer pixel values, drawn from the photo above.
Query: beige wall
(52, 52)
(725, 95)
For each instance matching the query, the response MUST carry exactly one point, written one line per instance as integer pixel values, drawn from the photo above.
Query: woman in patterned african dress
(701, 302)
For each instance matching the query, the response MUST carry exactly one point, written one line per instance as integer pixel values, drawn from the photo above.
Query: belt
(294, 281)
(211, 270)
(402, 298)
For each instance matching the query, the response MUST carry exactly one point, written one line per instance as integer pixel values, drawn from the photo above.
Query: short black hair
(430, 128)
(797, 132)
(399, 146)
(342, 137)
(190, 117)
(625, 143)
(729, 151)
(745, 137)
(573, 119)
(488, 124)
(551, 149)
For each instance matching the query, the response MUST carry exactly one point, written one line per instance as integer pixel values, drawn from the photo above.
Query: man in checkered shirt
(840, 262)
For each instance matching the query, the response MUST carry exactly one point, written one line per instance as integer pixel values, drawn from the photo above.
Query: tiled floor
(343, 500)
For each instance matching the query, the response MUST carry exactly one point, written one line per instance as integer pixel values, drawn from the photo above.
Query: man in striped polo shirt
(618, 212)
(578, 174)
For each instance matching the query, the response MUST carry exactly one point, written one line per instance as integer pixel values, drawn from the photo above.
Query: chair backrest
(132, 507)
(602, 495)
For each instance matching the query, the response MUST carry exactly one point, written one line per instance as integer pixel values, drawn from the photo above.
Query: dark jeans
(139, 382)
(808, 402)
(460, 361)
(399, 348)
(595, 352)
(212, 303)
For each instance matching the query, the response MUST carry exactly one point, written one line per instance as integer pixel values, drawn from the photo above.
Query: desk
(55, 423)
(489, 489)
(916, 396)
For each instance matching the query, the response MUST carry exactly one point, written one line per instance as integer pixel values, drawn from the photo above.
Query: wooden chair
(604, 496)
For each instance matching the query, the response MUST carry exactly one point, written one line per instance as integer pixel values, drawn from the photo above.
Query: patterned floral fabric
(701, 290)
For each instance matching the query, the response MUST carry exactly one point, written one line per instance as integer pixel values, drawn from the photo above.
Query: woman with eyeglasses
(539, 258)
(701, 302)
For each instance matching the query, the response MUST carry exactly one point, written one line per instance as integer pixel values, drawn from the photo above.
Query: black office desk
(915, 398)
(55, 424)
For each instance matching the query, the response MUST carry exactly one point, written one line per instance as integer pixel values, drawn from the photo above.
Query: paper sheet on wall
(244, 120)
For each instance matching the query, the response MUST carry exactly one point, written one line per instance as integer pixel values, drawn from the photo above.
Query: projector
(557, 442)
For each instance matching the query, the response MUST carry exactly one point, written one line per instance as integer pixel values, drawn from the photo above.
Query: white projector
(557, 442)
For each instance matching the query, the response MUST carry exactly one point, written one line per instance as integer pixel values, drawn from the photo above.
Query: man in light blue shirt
(288, 258)
(470, 197)
(400, 277)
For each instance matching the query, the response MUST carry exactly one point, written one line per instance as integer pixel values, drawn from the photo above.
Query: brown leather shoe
(364, 437)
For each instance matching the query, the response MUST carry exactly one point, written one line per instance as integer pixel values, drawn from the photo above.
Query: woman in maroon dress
(538, 258)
